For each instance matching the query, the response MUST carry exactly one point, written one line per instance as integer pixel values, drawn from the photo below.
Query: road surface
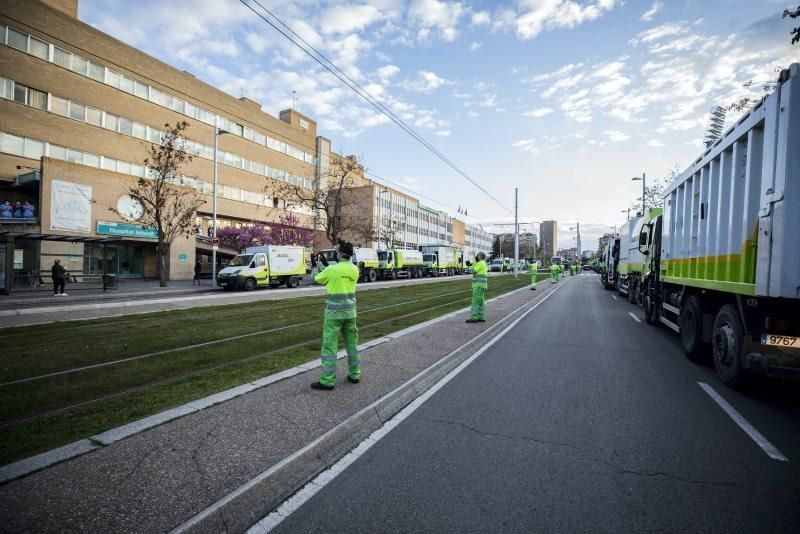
(580, 418)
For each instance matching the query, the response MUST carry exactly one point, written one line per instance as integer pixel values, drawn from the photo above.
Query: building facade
(548, 234)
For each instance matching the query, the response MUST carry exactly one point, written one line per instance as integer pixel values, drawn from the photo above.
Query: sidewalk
(158, 479)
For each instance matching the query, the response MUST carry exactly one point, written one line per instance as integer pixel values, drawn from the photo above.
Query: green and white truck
(366, 259)
(724, 257)
(632, 262)
(441, 260)
(400, 263)
(267, 266)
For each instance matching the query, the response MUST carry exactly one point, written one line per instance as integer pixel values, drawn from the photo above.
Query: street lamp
(628, 211)
(217, 133)
(381, 192)
(635, 179)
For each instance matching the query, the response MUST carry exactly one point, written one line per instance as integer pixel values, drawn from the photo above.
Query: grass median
(70, 380)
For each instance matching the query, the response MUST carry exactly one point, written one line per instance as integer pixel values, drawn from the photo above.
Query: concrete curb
(245, 506)
(72, 450)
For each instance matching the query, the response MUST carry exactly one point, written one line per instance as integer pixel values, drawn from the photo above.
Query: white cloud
(656, 143)
(539, 15)
(475, 45)
(616, 136)
(659, 32)
(472, 114)
(540, 112)
(433, 14)
(536, 146)
(480, 18)
(426, 82)
(345, 18)
(387, 72)
(443, 133)
(648, 15)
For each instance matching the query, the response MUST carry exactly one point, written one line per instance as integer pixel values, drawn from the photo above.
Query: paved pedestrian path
(160, 478)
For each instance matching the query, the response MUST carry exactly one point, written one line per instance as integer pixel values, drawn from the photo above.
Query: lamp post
(380, 199)
(636, 179)
(628, 211)
(217, 133)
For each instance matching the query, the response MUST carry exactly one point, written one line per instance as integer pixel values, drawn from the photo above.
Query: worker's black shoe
(354, 380)
(533, 289)
(317, 385)
(476, 320)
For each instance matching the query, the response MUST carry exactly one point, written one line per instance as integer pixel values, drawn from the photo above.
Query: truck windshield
(241, 259)
(382, 255)
(428, 257)
(330, 255)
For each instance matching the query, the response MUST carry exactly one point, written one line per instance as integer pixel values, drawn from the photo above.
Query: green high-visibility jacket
(555, 268)
(340, 282)
(479, 277)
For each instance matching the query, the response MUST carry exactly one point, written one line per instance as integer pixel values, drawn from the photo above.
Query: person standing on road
(59, 275)
(479, 285)
(340, 316)
(534, 273)
(197, 268)
(554, 273)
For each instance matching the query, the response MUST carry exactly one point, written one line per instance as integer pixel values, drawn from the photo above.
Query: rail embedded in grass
(54, 411)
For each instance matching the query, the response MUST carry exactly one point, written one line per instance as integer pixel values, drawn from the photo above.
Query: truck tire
(727, 344)
(691, 325)
(632, 291)
(649, 306)
(371, 275)
(249, 284)
(292, 282)
(394, 274)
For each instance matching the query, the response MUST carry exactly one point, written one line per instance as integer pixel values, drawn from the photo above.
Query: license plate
(780, 341)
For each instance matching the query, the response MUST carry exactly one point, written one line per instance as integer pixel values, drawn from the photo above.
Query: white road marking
(309, 490)
(634, 317)
(749, 429)
(614, 297)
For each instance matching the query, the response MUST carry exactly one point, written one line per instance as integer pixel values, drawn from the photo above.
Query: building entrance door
(130, 260)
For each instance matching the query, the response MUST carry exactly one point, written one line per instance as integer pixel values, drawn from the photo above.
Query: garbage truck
(631, 259)
(366, 259)
(440, 260)
(399, 263)
(271, 266)
(723, 260)
(608, 273)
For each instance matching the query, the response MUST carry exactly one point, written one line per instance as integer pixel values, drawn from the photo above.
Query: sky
(564, 99)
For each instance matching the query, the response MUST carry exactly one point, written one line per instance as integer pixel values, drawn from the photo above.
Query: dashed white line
(614, 297)
(634, 317)
(745, 425)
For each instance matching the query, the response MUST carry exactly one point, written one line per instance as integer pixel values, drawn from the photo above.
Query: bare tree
(169, 206)
(331, 198)
(795, 33)
(653, 191)
(392, 228)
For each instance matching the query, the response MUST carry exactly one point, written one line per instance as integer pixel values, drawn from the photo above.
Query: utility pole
(516, 232)
(214, 243)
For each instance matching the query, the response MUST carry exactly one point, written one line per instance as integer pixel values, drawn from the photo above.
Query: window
(20, 93)
(178, 105)
(38, 48)
(124, 167)
(126, 84)
(6, 89)
(58, 152)
(110, 164)
(73, 156)
(92, 160)
(237, 129)
(37, 99)
(79, 64)
(112, 122)
(113, 78)
(137, 170)
(154, 135)
(125, 126)
(140, 90)
(13, 144)
(190, 109)
(17, 40)
(155, 95)
(96, 72)
(77, 111)
(139, 130)
(62, 57)
(94, 116)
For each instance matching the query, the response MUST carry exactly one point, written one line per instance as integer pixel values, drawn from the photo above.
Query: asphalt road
(578, 419)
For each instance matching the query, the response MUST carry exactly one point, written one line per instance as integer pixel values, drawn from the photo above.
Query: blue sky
(565, 99)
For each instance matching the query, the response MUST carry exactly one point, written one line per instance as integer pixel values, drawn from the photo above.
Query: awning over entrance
(36, 236)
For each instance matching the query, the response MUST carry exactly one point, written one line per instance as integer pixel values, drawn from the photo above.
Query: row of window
(77, 111)
(35, 149)
(52, 53)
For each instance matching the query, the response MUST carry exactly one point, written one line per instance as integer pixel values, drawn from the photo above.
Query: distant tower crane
(716, 121)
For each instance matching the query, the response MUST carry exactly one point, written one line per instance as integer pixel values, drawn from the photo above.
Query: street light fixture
(628, 211)
(380, 193)
(217, 133)
(636, 179)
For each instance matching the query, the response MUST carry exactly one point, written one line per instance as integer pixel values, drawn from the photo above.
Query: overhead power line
(331, 67)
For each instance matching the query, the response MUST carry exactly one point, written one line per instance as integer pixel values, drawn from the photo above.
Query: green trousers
(478, 296)
(533, 279)
(554, 276)
(330, 346)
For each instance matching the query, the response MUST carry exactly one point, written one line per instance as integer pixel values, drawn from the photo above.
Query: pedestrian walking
(554, 269)
(534, 273)
(59, 275)
(197, 268)
(479, 285)
(340, 316)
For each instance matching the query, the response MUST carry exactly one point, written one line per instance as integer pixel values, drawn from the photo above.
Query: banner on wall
(70, 207)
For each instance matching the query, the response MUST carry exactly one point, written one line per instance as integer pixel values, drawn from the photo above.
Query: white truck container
(446, 260)
(272, 266)
(725, 255)
(400, 263)
(628, 239)
(366, 259)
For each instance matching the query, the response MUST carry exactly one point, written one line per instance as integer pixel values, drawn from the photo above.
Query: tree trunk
(163, 260)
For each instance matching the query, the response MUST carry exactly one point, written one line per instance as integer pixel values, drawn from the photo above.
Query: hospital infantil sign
(126, 230)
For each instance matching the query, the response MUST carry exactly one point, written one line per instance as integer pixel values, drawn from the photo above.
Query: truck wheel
(372, 275)
(649, 306)
(727, 343)
(632, 292)
(394, 274)
(249, 284)
(293, 282)
(691, 325)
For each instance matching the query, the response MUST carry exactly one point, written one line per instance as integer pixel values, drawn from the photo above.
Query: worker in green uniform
(340, 316)
(479, 285)
(554, 270)
(534, 272)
